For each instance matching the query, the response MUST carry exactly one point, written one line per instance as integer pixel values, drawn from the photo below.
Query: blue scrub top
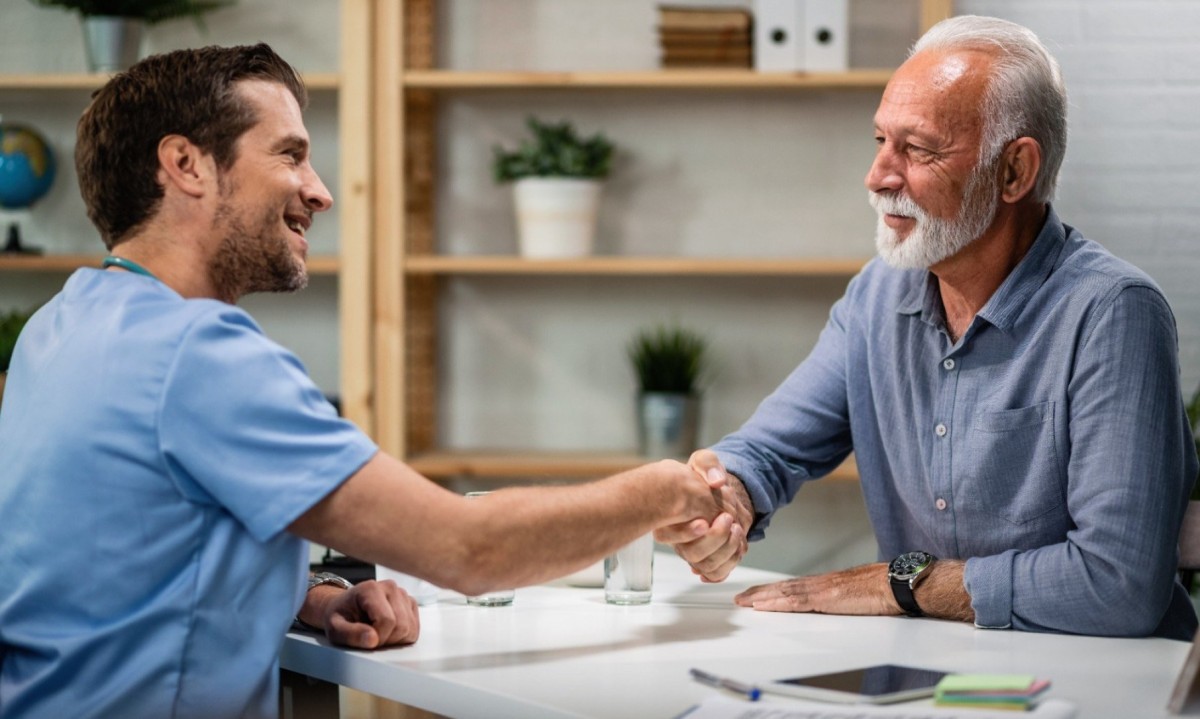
(152, 452)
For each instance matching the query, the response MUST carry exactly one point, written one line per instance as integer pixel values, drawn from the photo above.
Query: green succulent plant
(151, 11)
(555, 150)
(669, 359)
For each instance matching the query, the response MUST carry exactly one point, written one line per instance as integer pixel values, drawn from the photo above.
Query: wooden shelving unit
(409, 270)
(632, 266)
(674, 79)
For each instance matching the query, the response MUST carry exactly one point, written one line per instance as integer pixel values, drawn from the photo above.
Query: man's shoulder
(1085, 260)
(144, 315)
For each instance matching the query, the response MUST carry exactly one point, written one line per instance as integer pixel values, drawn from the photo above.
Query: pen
(750, 692)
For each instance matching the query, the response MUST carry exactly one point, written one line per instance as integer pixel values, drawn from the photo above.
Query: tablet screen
(873, 681)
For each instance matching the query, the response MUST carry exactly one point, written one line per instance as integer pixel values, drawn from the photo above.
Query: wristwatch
(904, 573)
(316, 580)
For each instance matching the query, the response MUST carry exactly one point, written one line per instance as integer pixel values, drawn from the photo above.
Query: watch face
(909, 565)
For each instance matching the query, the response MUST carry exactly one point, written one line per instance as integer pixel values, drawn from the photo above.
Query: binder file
(801, 35)
(778, 35)
(827, 35)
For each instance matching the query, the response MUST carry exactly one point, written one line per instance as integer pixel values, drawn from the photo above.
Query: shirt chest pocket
(1009, 467)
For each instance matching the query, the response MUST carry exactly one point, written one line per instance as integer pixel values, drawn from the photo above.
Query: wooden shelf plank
(610, 265)
(317, 265)
(92, 81)
(550, 465)
(678, 79)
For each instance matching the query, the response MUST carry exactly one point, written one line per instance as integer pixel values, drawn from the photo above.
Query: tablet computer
(879, 684)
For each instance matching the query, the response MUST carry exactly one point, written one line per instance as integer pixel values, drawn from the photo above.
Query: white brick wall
(1130, 178)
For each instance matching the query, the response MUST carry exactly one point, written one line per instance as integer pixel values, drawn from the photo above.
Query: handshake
(712, 544)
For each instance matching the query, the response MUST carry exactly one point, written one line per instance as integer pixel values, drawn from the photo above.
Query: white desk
(562, 652)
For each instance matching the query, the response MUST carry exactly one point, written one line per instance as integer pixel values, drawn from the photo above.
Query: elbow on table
(1135, 614)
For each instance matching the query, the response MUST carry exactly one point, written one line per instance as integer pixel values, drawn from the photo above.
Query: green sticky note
(984, 682)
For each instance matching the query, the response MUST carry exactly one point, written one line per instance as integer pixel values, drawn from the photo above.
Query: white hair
(1025, 97)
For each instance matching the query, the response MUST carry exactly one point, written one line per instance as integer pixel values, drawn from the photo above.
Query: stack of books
(693, 36)
(1017, 692)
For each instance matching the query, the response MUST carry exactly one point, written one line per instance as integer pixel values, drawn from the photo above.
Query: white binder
(778, 35)
(801, 35)
(827, 35)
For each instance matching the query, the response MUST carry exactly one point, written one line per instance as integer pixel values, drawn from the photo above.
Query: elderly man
(1009, 388)
(163, 459)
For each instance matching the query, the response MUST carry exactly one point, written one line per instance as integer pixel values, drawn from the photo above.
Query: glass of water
(629, 572)
(500, 598)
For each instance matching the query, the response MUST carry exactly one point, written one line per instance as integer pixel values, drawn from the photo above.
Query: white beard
(934, 239)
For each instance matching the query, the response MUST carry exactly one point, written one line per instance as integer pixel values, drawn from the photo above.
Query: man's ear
(1019, 165)
(183, 165)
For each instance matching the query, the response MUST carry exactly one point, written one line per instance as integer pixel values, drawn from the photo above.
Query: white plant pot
(556, 216)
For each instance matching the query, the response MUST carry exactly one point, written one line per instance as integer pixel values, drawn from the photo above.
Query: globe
(26, 166)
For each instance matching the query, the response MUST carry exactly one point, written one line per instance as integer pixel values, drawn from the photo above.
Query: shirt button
(948, 363)
(940, 430)
(940, 504)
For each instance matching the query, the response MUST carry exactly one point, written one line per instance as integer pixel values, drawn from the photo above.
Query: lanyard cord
(125, 264)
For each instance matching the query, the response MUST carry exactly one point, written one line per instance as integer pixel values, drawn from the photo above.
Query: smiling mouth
(297, 226)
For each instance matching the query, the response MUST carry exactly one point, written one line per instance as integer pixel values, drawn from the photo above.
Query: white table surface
(560, 651)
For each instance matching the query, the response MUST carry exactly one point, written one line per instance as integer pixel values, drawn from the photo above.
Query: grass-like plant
(669, 359)
(555, 150)
(11, 325)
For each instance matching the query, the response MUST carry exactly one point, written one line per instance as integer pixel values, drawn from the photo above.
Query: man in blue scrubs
(162, 459)
(1009, 388)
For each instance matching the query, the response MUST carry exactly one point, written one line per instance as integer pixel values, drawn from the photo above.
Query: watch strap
(316, 580)
(905, 597)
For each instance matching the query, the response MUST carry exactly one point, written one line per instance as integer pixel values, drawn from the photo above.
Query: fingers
(373, 614)
(785, 596)
(682, 532)
(708, 466)
(714, 555)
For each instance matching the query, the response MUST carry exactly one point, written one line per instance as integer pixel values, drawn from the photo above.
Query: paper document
(719, 706)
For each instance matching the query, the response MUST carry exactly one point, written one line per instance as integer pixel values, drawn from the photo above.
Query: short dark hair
(192, 93)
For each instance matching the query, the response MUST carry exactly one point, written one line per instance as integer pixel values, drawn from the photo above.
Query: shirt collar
(1010, 297)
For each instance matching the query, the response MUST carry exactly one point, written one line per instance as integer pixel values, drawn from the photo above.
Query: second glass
(629, 573)
(499, 598)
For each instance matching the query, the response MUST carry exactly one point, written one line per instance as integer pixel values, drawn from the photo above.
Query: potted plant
(11, 325)
(670, 363)
(557, 178)
(112, 29)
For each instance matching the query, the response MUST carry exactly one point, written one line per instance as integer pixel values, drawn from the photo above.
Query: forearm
(387, 514)
(943, 595)
(529, 535)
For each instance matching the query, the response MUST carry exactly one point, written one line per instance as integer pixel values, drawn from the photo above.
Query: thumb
(708, 466)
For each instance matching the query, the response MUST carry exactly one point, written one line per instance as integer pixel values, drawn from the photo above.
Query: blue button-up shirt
(1048, 446)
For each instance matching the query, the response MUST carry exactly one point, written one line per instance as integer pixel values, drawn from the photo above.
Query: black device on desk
(879, 684)
(354, 570)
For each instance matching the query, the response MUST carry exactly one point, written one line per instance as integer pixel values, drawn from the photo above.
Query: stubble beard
(934, 239)
(246, 261)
